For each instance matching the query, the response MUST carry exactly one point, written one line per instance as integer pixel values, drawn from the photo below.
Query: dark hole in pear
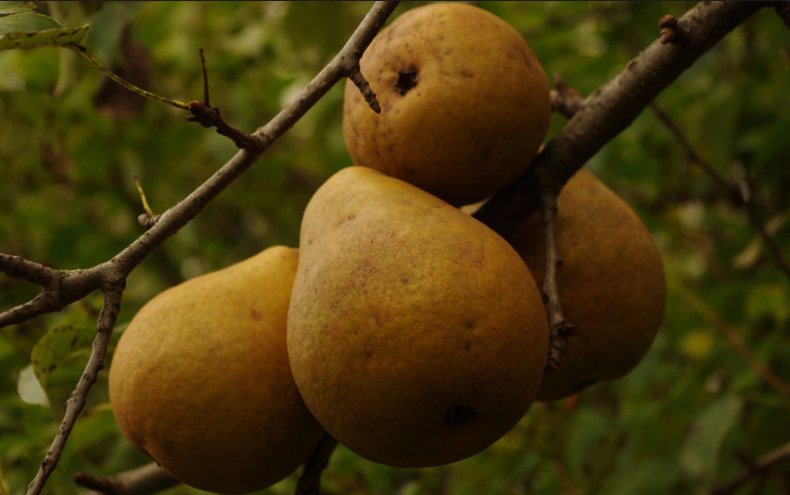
(459, 415)
(407, 79)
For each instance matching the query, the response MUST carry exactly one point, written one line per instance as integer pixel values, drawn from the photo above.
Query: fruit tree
(394, 248)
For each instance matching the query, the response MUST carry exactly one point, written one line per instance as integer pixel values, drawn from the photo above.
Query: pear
(200, 378)
(612, 285)
(416, 335)
(464, 102)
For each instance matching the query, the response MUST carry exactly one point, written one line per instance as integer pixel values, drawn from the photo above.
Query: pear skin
(200, 378)
(464, 102)
(416, 335)
(612, 285)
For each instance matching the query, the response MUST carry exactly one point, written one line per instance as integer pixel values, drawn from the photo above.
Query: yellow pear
(416, 335)
(200, 378)
(612, 285)
(464, 102)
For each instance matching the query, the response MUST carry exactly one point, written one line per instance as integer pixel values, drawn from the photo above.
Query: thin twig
(612, 108)
(143, 199)
(559, 329)
(692, 154)
(76, 284)
(733, 336)
(75, 404)
(310, 480)
(731, 190)
(84, 53)
(209, 116)
(206, 95)
(565, 100)
(143, 480)
(760, 467)
(364, 87)
(64, 287)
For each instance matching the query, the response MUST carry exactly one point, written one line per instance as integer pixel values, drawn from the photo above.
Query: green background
(688, 418)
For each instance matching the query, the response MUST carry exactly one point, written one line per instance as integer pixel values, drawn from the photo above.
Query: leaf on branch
(700, 453)
(7, 8)
(56, 347)
(29, 388)
(27, 22)
(31, 30)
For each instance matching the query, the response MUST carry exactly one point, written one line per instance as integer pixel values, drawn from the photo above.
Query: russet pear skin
(612, 284)
(464, 102)
(416, 335)
(200, 378)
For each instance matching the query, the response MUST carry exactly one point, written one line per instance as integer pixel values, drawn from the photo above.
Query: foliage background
(70, 143)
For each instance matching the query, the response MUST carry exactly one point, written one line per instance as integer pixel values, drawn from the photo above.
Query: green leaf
(56, 347)
(29, 388)
(31, 30)
(699, 456)
(27, 22)
(7, 8)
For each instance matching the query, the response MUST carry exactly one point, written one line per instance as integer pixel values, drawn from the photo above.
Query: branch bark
(762, 466)
(143, 480)
(559, 329)
(603, 115)
(62, 287)
(731, 190)
(76, 284)
(612, 108)
(109, 313)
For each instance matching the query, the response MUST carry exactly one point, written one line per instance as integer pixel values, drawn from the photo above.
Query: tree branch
(612, 108)
(762, 466)
(733, 336)
(310, 480)
(66, 286)
(559, 329)
(35, 273)
(565, 100)
(76, 284)
(75, 404)
(731, 190)
(143, 480)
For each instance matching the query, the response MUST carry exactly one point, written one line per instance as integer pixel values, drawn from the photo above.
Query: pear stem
(310, 480)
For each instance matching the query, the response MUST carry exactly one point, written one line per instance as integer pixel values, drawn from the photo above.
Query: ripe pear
(612, 285)
(464, 102)
(200, 378)
(416, 335)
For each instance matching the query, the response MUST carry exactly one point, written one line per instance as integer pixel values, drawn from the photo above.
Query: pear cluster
(403, 327)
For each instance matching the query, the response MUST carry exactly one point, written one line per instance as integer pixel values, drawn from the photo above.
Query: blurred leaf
(697, 344)
(31, 30)
(700, 453)
(27, 22)
(56, 347)
(3, 484)
(588, 428)
(29, 388)
(654, 476)
(7, 8)
(750, 254)
(768, 300)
